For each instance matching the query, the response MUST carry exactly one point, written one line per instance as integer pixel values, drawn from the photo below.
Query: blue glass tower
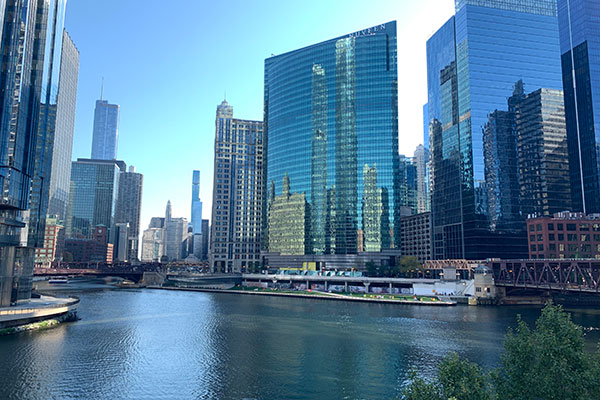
(196, 220)
(31, 46)
(474, 61)
(332, 140)
(106, 131)
(579, 23)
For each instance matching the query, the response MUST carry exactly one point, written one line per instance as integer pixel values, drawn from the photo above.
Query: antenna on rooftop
(102, 89)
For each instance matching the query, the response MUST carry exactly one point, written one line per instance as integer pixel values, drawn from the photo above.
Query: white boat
(58, 280)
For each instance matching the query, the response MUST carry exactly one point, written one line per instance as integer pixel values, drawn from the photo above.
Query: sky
(168, 64)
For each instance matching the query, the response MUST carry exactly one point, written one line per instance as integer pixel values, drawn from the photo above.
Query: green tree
(457, 379)
(549, 362)
(408, 265)
(372, 269)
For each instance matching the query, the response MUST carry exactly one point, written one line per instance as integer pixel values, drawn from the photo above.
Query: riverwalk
(373, 298)
(36, 309)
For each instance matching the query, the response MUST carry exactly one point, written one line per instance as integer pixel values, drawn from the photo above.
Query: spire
(168, 211)
(102, 90)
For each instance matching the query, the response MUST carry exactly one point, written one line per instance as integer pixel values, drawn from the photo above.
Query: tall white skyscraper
(196, 204)
(106, 131)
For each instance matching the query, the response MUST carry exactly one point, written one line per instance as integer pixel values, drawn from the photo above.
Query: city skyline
(187, 118)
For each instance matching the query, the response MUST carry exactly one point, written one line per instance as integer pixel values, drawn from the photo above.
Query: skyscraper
(106, 131)
(31, 35)
(421, 160)
(93, 196)
(473, 62)
(196, 220)
(542, 153)
(330, 123)
(129, 208)
(175, 235)
(237, 192)
(60, 174)
(579, 23)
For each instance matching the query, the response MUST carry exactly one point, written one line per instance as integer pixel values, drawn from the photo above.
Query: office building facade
(473, 62)
(542, 153)
(416, 236)
(331, 129)
(105, 137)
(129, 208)
(237, 192)
(31, 34)
(93, 196)
(565, 235)
(579, 23)
(60, 174)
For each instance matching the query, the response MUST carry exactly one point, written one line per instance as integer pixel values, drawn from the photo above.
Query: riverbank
(34, 313)
(373, 298)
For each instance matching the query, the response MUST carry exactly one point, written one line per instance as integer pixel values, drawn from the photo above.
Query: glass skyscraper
(129, 208)
(106, 131)
(196, 220)
(93, 196)
(32, 37)
(332, 145)
(65, 128)
(579, 23)
(474, 61)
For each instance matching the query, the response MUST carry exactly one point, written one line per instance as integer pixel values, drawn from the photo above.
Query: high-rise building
(60, 174)
(175, 235)
(121, 249)
(473, 62)
(421, 161)
(409, 183)
(542, 153)
(106, 131)
(93, 195)
(196, 220)
(579, 24)
(237, 192)
(426, 125)
(416, 236)
(205, 240)
(129, 208)
(153, 242)
(32, 37)
(330, 123)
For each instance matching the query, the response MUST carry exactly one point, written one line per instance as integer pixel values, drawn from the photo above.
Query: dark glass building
(129, 208)
(579, 23)
(473, 62)
(31, 35)
(332, 145)
(93, 197)
(542, 153)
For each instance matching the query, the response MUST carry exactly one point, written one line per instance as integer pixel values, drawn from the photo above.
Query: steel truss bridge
(565, 275)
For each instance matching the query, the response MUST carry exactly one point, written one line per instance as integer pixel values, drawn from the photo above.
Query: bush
(548, 363)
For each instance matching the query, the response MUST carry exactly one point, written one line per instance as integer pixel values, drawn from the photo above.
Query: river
(153, 344)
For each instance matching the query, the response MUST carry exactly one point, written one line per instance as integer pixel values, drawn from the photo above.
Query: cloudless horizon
(168, 67)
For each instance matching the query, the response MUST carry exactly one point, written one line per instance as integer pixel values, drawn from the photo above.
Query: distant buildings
(128, 211)
(331, 129)
(409, 183)
(421, 161)
(196, 220)
(564, 235)
(153, 244)
(467, 82)
(106, 131)
(54, 240)
(95, 249)
(579, 24)
(237, 192)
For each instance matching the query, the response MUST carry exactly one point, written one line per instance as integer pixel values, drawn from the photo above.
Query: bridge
(573, 275)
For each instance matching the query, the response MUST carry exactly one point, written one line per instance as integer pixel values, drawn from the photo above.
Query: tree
(372, 269)
(408, 265)
(457, 379)
(547, 363)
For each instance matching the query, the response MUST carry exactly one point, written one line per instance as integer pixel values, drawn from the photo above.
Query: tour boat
(59, 279)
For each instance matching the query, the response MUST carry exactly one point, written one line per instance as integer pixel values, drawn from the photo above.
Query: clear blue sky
(168, 64)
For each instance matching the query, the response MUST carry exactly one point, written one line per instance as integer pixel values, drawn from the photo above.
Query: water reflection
(173, 345)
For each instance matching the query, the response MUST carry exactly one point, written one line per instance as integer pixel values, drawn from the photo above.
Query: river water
(153, 344)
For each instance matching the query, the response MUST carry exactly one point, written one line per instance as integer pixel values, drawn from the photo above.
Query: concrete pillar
(326, 286)
(346, 286)
(367, 284)
(391, 287)
(307, 285)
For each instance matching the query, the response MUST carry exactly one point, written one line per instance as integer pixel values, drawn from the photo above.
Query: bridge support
(367, 284)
